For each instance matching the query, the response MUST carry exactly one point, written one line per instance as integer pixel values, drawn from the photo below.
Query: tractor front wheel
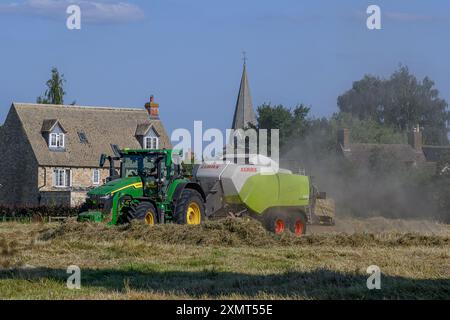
(190, 208)
(146, 212)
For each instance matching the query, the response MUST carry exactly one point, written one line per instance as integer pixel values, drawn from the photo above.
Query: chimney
(415, 138)
(152, 108)
(344, 138)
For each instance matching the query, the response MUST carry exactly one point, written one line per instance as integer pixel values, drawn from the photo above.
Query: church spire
(244, 113)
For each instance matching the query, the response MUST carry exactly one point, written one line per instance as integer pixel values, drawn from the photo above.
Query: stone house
(414, 153)
(49, 154)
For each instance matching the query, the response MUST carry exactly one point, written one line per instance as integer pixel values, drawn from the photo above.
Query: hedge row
(42, 211)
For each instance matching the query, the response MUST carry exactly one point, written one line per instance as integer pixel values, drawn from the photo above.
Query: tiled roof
(101, 127)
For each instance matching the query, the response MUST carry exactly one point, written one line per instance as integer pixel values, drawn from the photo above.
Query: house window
(56, 140)
(151, 143)
(82, 137)
(151, 140)
(62, 178)
(96, 176)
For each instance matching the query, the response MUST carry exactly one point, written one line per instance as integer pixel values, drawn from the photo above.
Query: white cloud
(98, 11)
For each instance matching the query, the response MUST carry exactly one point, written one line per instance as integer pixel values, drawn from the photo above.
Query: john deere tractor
(150, 187)
(153, 187)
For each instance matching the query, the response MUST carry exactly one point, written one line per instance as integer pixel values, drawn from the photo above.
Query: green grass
(126, 266)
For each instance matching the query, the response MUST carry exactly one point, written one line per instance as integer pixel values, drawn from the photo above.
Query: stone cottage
(49, 154)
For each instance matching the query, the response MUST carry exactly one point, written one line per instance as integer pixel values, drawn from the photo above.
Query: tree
(55, 89)
(299, 120)
(290, 122)
(400, 102)
(366, 131)
(365, 99)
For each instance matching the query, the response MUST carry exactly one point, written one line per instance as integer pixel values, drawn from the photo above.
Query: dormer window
(147, 135)
(56, 140)
(54, 134)
(151, 140)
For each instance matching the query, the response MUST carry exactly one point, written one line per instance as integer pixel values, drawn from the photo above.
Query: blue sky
(188, 53)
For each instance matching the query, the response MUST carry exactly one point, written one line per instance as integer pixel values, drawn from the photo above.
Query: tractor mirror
(116, 150)
(102, 160)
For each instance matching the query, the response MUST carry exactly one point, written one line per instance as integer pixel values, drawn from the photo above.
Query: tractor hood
(116, 185)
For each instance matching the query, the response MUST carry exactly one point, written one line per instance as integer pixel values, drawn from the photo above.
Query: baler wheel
(298, 223)
(275, 221)
(280, 220)
(280, 226)
(299, 227)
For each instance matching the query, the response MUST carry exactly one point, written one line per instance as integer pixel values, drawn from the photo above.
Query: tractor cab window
(146, 167)
(136, 165)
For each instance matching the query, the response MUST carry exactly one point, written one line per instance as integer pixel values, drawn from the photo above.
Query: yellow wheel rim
(149, 219)
(193, 214)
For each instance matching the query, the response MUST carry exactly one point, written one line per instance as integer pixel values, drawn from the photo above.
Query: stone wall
(62, 198)
(82, 180)
(18, 165)
(55, 198)
(77, 198)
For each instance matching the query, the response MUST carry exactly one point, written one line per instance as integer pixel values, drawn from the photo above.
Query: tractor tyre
(190, 208)
(276, 221)
(297, 223)
(144, 211)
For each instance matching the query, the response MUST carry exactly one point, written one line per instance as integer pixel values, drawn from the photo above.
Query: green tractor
(153, 187)
(150, 187)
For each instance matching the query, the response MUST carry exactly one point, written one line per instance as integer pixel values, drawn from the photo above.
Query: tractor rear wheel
(146, 212)
(190, 208)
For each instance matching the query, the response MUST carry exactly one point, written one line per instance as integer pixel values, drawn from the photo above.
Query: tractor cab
(155, 168)
(148, 167)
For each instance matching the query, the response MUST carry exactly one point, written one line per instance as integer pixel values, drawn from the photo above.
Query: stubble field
(230, 259)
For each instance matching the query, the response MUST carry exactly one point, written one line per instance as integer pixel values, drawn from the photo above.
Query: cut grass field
(229, 259)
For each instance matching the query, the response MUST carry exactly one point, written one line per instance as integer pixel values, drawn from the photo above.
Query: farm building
(49, 154)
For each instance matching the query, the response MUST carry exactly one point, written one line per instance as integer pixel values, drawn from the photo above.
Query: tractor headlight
(107, 197)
